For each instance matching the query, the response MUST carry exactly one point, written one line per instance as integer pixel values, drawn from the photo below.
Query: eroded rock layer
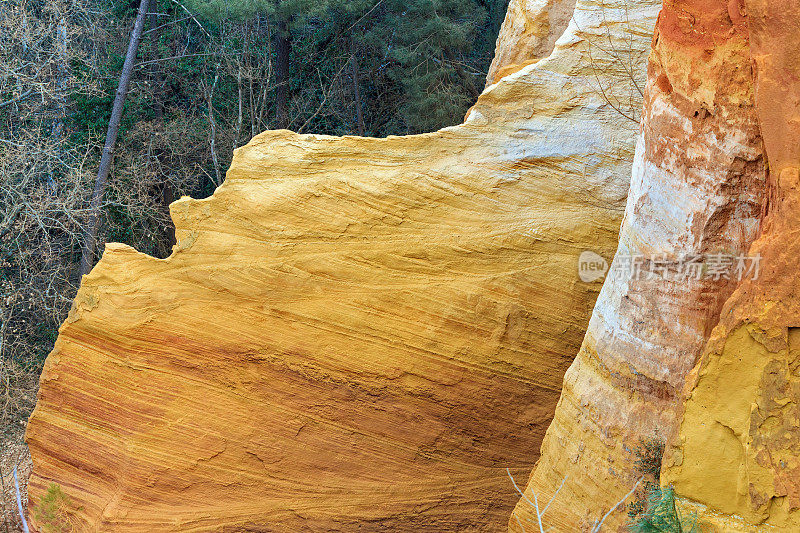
(736, 458)
(530, 31)
(697, 193)
(351, 334)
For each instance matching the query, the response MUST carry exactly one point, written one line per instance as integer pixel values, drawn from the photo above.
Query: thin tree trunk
(356, 90)
(60, 114)
(6, 514)
(155, 74)
(241, 106)
(101, 183)
(63, 74)
(213, 123)
(250, 83)
(283, 47)
(252, 109)
(167, 197)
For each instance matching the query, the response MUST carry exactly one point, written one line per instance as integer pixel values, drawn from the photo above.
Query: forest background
(208, 76)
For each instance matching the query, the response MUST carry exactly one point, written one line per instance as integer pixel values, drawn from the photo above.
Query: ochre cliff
(352, 334)
(530, 31)
(736, 458)
(697, 191)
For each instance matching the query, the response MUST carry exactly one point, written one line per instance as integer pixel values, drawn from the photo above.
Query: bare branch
(8, 223)
(324, 98)
(213, 126)
(161, 59)
(546, 507)
(170, 23)
(191, 15)
(19, 503)
(599, 524)
(17, 99)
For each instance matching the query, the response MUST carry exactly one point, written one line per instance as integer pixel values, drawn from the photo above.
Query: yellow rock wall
(351, 334)
(529, 33)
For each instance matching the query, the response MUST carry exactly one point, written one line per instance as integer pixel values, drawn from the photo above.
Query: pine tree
(429, 43)
(413, 65)
(663, 516)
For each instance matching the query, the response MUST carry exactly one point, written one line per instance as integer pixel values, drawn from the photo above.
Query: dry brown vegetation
(42, 183)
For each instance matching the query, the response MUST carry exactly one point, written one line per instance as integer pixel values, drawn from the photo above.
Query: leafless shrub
(42, 182)
(540, 523)
(618, 57)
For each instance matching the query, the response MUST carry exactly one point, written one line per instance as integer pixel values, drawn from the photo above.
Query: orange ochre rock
(697, 193)
(353, 334)
(735, 460)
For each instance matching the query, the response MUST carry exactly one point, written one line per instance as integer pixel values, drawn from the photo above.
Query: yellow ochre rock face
(351, 334)
(530, 31)
(736, 458)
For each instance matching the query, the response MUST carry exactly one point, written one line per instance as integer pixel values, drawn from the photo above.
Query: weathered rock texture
(698, 188)
(736, 458)
(351, 334)
(530, 31)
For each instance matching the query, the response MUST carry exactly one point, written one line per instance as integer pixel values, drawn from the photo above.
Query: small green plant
(647, 466)
(663, 516)
(50, 514)
(649, 455)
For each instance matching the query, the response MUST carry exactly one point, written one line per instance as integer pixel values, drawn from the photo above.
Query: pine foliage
(647, 465)
(663, 516)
